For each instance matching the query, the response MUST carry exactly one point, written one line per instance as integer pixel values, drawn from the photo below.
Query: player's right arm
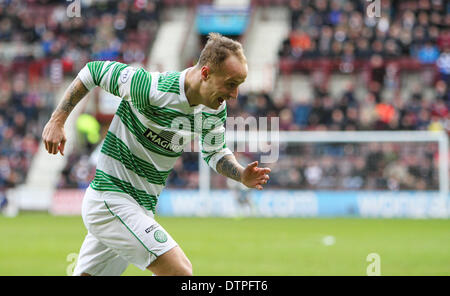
(53, 135)
(108, 75)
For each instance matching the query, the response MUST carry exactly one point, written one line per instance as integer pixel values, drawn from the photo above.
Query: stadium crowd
(372, 165)
(40, 44)
(344, 29)
(23, 108)
(415, 32)
(115, 30)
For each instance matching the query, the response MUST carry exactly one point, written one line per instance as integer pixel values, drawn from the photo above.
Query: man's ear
(205, 72)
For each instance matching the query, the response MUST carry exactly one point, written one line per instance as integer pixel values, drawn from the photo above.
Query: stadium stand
(23, 107)
(327, 39)
(338, 38)
(41, 46)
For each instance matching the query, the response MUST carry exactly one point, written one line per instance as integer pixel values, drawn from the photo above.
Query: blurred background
(361, 90)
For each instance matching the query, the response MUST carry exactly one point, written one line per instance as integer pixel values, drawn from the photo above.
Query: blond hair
(217, 49)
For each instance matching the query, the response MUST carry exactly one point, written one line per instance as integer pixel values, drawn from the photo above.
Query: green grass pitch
(41, 244)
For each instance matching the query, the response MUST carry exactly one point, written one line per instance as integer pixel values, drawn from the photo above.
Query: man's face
(222, 84)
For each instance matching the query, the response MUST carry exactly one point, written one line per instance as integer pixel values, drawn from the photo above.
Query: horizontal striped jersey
(151, 127)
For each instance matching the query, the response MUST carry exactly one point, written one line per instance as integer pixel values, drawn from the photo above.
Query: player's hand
(54, 137)
(255, 177)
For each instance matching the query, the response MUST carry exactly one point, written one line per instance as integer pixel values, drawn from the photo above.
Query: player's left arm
(222, 160)
(251, 176)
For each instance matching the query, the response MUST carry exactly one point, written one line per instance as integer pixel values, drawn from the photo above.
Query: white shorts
(120, 232)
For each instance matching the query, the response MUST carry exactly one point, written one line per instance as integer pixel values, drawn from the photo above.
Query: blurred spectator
(428, 53)
(299, 42)
(443, 41)
(443, 63)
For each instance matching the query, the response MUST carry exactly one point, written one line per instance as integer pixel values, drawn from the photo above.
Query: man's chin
(215, 106)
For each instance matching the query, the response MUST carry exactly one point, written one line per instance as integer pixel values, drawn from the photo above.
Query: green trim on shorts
(112, 213)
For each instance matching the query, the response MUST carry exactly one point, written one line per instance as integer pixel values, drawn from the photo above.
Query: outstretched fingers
(256, 177)
(262, 178)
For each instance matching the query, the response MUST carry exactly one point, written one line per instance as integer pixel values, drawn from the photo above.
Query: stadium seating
(23, 107)
(42, 45)
(327, 39)
(331, 39)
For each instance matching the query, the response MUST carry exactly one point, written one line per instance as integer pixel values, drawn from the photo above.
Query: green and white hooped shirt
(150, 128)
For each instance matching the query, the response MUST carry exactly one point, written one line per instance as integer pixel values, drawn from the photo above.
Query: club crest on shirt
(124, 75)
(160, 236)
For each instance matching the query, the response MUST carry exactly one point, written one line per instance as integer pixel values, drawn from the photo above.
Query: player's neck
(192, 87)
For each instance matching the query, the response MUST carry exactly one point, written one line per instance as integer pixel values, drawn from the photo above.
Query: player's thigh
(97, 259)
(173, 262)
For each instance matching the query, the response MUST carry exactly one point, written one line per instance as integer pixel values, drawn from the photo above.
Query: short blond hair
(217, 49)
